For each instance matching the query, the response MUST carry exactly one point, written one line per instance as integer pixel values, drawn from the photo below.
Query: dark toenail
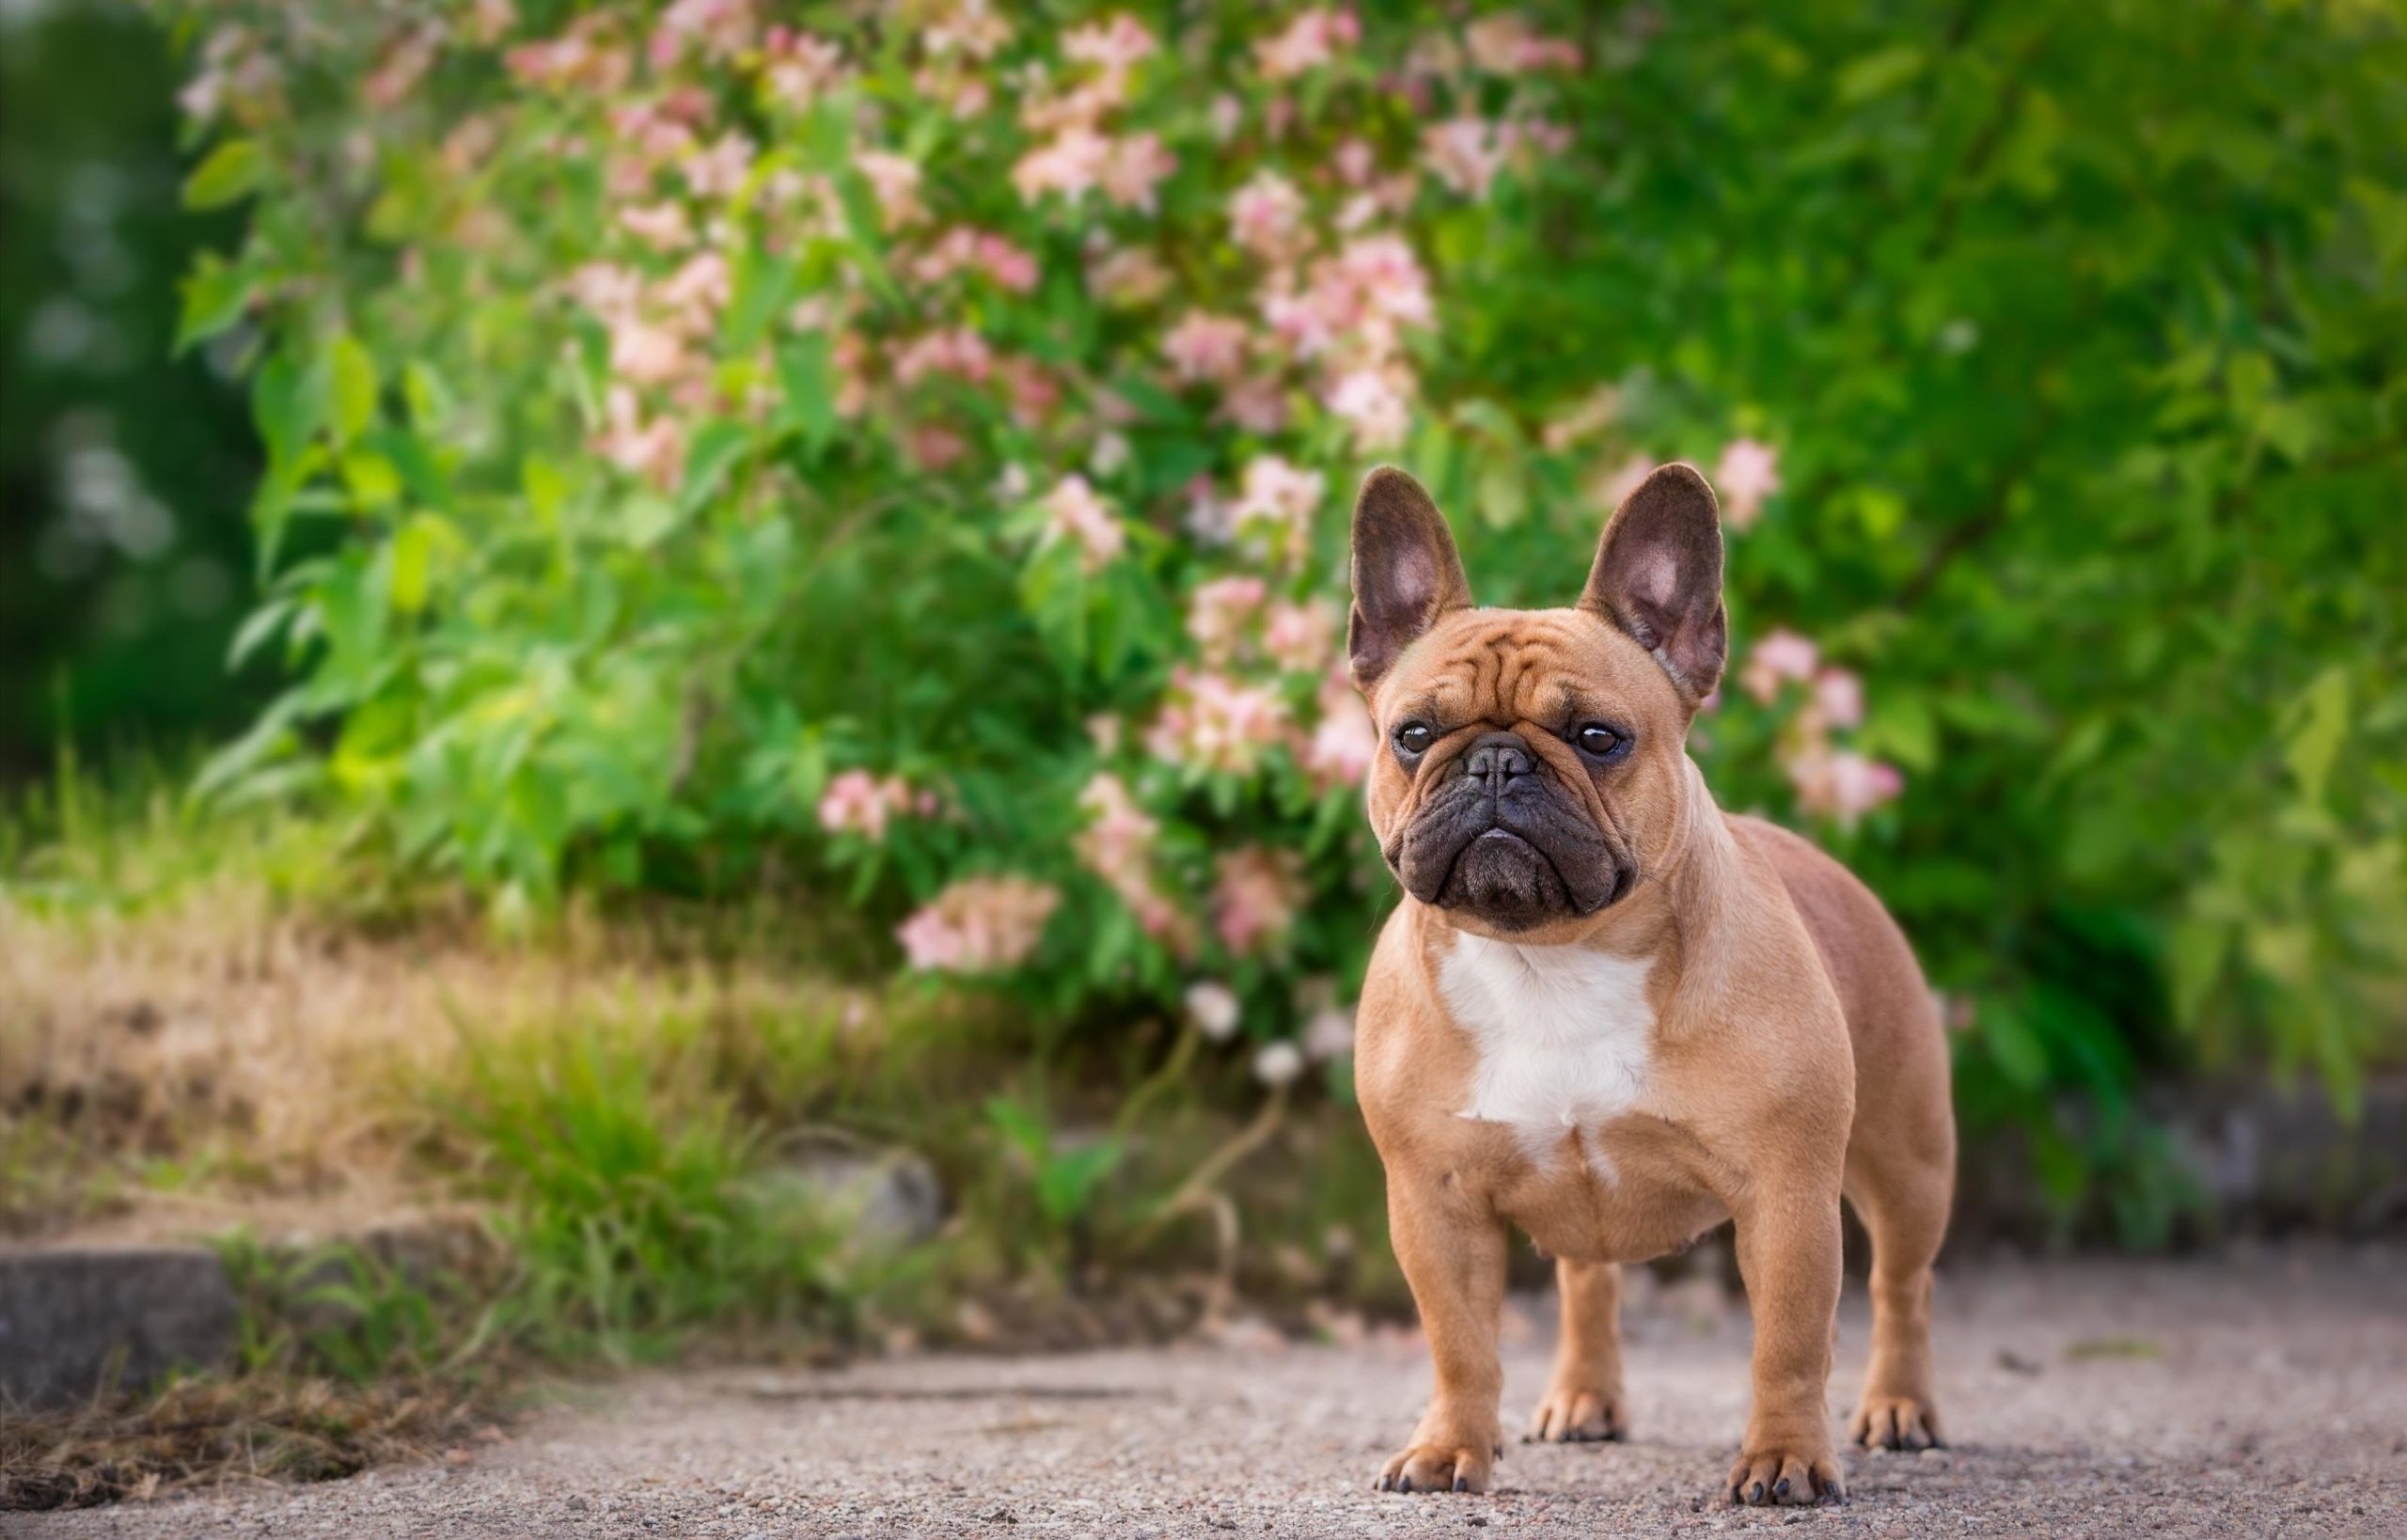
(1780, 1487)
(1755, 1493)
(1462, 1483)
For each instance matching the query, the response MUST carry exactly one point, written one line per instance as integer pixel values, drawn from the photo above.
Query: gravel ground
(2253, 1394)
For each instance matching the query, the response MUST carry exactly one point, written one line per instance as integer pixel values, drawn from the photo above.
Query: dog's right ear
(1406, 573)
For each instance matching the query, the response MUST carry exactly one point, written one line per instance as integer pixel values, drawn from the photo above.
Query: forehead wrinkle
(1483, 665)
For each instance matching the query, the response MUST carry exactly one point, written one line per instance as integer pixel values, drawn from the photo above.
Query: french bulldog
(1612, 1015)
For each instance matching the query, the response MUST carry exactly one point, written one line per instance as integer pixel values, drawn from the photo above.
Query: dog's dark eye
(1598, 740)
(1414, 738)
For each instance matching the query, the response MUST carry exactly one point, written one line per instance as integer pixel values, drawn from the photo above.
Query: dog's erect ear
(1406, 573)
(1659, 577)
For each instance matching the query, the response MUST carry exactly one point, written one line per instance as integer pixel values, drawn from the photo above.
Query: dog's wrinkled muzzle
(1501, 839)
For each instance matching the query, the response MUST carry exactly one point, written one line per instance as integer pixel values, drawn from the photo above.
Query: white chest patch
(1563, 1033)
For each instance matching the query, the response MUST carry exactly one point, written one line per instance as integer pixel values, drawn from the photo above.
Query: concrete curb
(75, 1319)
(81, 1318)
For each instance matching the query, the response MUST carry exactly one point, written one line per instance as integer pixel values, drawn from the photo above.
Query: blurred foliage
(124, 556)
(660, 494)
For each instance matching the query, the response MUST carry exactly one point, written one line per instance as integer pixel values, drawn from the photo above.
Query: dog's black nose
(1497, 757)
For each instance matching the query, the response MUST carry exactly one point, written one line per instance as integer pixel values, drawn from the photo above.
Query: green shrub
(911, 446)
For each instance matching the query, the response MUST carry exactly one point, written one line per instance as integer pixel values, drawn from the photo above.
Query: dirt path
(2261, 1395)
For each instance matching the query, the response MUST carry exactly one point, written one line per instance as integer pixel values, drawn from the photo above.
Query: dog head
(1535, 766)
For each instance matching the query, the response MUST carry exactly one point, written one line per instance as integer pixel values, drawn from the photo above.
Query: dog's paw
(1786, 1478)
(1895, 1422)
(1439, 1467)
(1573, 1415)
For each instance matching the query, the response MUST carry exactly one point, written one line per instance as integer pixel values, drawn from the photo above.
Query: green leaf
(1878, 73)
(255, 629)
(2323, 725)
(713, 453)
(808, 403)
(231, 172)
(374, 483)
(354, 386)
(216, 295)
(413, 554)
(546, 489)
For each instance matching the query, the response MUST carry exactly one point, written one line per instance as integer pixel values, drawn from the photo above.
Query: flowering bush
(920, 436)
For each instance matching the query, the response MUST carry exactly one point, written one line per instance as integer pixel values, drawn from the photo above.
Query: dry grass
(229, 1054)
(258, 1427)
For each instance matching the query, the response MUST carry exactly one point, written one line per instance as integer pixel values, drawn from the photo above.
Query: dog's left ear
(1659, 577)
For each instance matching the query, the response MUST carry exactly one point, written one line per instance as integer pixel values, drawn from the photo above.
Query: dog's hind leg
(1583, 1397)
(1901, 1195)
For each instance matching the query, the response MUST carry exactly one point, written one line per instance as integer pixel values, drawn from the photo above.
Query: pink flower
(1841, 783)
(1276, 1064)
(972, 27)
(801, 65)
(1257, 896)
(1211, 722)
(1276, 504)
(1213, 1006)
(1329, 1033)
(1344, 742)
(1838, 695)
(980, 925)
(1113, 46)
(1387, 277)
(1208, 516)
(404, 65)
(645, 354)
(1069, 163)
(1747, 473)
(582, 59)
(722, 28)
(654, 450)
(719, 171)
(1206, 347)
(1119, 835)
(895, 178)
(1127, 276)
(1301, 638)
(857, 802)
(1134, 167)
(1117, 845)
(697, 291)
(1307, 43)
(1034, 392)
(662, 227)
(1010, 266)
(1267, 217)
(1782, 655)
(1373, 402)
(958, 352)
(1258, 405)
(1074, 514)
(1219, 614)
(933, 447)
(1465, 153)
(1506, 45)
(963, 248)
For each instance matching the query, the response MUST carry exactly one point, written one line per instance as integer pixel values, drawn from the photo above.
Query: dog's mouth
(1507, 877)
(1501, 875)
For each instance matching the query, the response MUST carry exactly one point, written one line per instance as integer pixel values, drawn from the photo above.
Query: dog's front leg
(1453, 1250)
(1788, 1254)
